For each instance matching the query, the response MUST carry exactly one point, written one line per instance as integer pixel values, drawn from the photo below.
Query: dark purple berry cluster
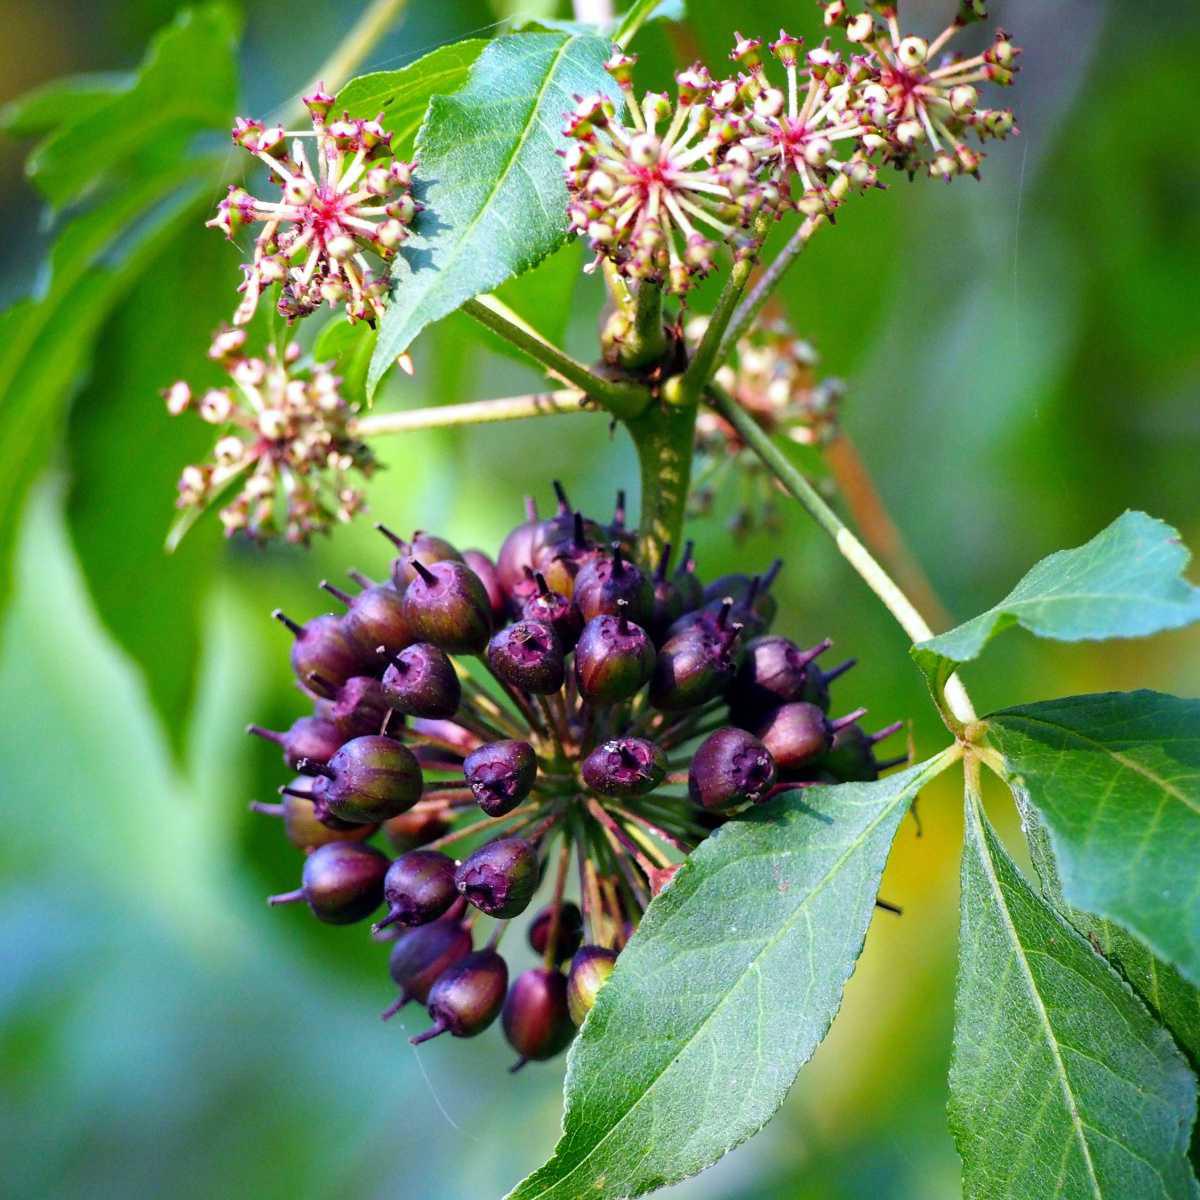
(499, 721)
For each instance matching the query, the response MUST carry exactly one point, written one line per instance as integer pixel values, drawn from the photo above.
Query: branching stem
(477, 412)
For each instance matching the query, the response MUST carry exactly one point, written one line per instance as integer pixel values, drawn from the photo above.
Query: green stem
(708, 354)
(961, 711)
(621, 399)
(663, 436)
(477, 412)
(749, 308)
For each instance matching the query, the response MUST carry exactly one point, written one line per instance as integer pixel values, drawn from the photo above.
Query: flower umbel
(922, 102)
(657, 196)
(316, 237)
(285, 437)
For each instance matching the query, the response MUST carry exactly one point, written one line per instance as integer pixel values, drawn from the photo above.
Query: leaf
(725, 991)
(1172, 1001)
(403, 96)
(45, 343)
(1116, 779)
(125, 454)
(1061, 1083)
(1126, 582)
(60, 100)
(186, 83)
(494, 196)
(642, 11)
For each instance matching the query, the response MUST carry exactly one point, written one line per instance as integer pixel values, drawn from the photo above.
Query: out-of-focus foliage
(1022, 371)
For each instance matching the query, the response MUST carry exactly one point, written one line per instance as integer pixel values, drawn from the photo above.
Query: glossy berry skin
(324, 647)
(412, 829)
(516, 555)
(447, 605)
(614, 659)
(418, 888)
(359, 707)
(500, 877)
(369, 779)
(375, 618)
(428, 548)
(796, 734)
(612, 585)
(626, 766)
(774, 671)
(554, 609)
(420, 955)
(500, 775)
(535, 1017)
(693, 667)
(421, 682)
(467, 996)
(343, 882)
(570, 931)
(731, 767)
(489, 577)
(315, 738)
(561, 548)
(527, 655)
(590, 969)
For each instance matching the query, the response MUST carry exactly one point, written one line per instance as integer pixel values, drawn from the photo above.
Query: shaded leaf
(492, 183)
(1116, 780)
(403, 96)
(72, 97)
(186, 83)
(351, 347)
(1126, 582)
(725, 990)
(125, 455)
(45, 343)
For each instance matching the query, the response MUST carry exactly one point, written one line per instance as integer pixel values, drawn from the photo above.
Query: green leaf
(125, 453)
(186, 83)
(642, 11)
(1126, 582)
(403, 96)
(494, 196)
(45, 343)
(725, 991)
(1061, 1084)
(1172, 1001)
(72, 97)
(1116, 779)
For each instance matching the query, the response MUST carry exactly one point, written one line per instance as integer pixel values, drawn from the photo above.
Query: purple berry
(554, 609)
(420, 955)
(569, 935)
(412, 829)
(614, 659)
(488, 576)
(467, 996)
(731, 767)
(342, 882)
(447, 605)
(418, 888)
(625, 766)
(799, 733)
(500, 877)
(516, 552)
(303, 828)
(421, 682)
(612, 585)
(324, 647)
(427, 547)
(374, 618)
(368, 780)
(314, 738)
(774, 671)
(528, 655)
(535, 1017)
(693, 667)
(500, 775)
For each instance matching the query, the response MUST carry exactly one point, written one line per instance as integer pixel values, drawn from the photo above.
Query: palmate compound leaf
(1126, 582)
(1115, 778)
(725, 990)
(490, 179)
(1062, 1084)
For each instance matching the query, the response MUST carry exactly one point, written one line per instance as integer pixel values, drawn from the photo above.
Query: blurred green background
(1024, 365)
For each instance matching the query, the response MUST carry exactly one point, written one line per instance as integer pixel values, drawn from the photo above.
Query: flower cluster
(655, 196)
(775, 379)
(500, 721)
(285, 443)
(315, 238)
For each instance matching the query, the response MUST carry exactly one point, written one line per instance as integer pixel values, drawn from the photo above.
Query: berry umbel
(497, 725)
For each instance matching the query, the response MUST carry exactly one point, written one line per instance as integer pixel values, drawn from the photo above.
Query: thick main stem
(663, 436)
(855, 553)
(476, 412)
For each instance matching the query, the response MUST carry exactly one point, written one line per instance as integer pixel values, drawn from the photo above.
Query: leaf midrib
(797, 912)
(1035, 996)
